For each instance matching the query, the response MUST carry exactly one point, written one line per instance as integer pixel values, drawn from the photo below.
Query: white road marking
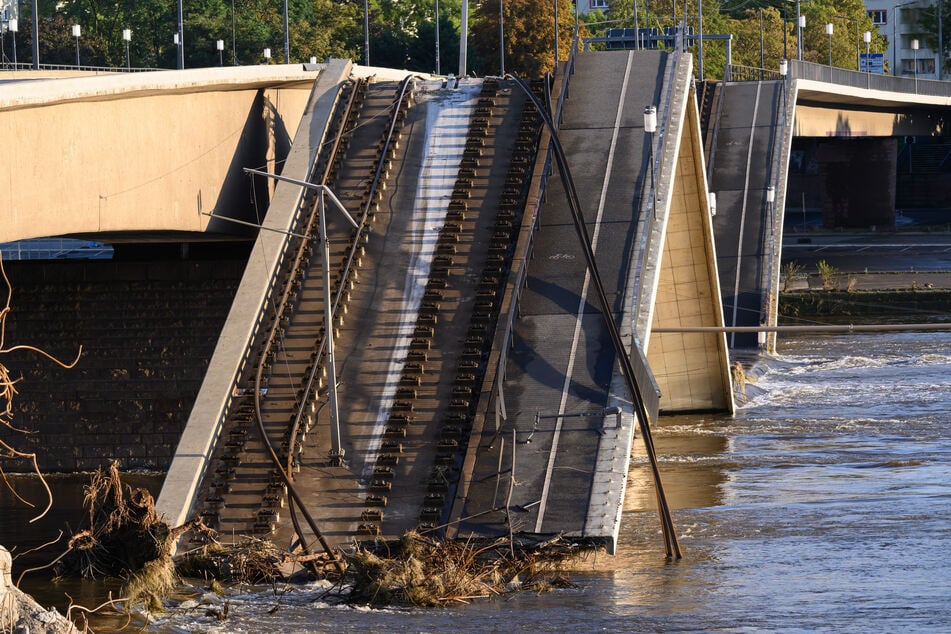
(584, 295)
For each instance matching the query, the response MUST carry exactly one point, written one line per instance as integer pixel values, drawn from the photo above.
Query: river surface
(824, 504)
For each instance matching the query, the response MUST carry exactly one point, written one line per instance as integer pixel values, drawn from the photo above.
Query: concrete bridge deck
(648, 216)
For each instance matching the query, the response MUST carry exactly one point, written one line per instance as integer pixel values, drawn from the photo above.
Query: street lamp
(783, 68)
(77, 31)
(501, 40)
(180, 38)
(287, 36)
(220, 45)
(267, 56)
(829, 33)
(650, 127)
(127, 38)
(437, 38)
(867, 37)
(914, 47)
(800, 25)
(12, 26)
(178, 47)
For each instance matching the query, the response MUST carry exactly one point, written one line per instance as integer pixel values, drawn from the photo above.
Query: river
(824, 504)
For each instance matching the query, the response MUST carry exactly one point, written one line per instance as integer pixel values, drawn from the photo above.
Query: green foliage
(828, 274)
(529, 34)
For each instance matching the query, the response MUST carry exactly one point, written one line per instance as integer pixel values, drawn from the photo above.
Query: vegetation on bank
(404, 35)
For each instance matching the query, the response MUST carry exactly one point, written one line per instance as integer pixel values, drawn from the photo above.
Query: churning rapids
(824, 504)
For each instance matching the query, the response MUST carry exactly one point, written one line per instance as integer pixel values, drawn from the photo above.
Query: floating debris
(424, 571)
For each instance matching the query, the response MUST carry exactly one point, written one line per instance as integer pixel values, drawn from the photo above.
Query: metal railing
(735, 72)
(20, 66)
(843, 77)
(873, 81)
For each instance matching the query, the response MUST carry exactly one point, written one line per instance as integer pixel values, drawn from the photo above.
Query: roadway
(742, 158)
(561, 363)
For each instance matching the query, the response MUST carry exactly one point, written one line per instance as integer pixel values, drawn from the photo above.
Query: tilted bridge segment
(820, 139)
(477, 393)
(462, 344)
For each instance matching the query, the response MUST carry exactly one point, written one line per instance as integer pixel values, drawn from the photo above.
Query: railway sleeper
(400, 419)
(416, 356)
(405, 393)
(392, 447)
(413, 368)
(366, 528)
(420, 344)
(375, 500)
(381, 486)
(402, 407)
(372, 515)
(409, 381)
(395, 431)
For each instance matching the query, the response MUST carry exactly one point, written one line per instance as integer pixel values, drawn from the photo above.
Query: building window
(599, 4)
(908, 66)
(879, 16)
(926, 66)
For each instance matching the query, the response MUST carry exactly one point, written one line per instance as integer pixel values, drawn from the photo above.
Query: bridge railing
(843, 77)
(20, 66)
(736, 72)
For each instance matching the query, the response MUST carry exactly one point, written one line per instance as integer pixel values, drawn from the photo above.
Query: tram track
(399, 474)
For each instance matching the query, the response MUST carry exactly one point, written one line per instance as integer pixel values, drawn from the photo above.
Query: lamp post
(36, 37)
(914, 47)
(650, 127)
(127, 38)
(287, 35)
(12, 26)
(234, 46)
(220, 45)
(800, 25)
(867, 36)
(501, 39)
(267, 55)
(77, 31)
(180, 41)
(366, 33)
(783, 71)
(438, 70)
(829, 30)
(177, 40)
(855, 20)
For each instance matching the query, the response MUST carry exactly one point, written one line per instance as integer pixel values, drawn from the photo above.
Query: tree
(529, 34)
(927, 24)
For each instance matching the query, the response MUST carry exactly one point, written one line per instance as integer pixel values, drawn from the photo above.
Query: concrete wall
(141, 152)
(823, 122)
(691, 369)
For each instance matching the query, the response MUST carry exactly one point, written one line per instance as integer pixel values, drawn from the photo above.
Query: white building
(898, 22)
(8, 9)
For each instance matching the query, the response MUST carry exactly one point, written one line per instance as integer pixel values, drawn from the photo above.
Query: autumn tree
(528, 28)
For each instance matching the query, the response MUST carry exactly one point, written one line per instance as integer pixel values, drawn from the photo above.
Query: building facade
(908, 53)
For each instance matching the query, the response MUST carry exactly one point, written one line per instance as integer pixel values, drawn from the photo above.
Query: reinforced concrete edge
(193, 456)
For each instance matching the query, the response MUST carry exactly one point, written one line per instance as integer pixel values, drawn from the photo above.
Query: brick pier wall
(148, 330)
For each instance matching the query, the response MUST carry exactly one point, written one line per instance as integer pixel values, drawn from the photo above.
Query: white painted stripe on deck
(447, 126)
(584, 297)
(746, 192)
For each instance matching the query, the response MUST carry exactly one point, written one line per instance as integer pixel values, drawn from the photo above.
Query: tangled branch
(8, 391)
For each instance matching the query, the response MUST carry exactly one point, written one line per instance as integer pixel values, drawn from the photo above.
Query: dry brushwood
(124, 538)
(423, 571)
(250, 560)
(8, 391)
